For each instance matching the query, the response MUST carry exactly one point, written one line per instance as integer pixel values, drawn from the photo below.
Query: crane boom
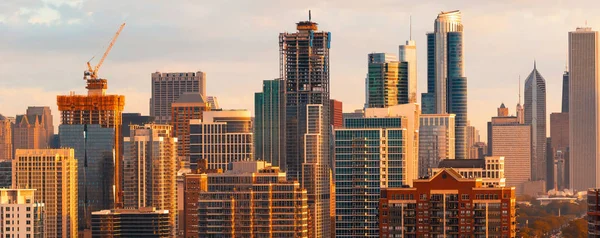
(93, 72)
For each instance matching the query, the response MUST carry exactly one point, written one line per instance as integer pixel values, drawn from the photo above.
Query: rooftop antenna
(309, 17)
(410, 27)
(534, 67)
(519, 89)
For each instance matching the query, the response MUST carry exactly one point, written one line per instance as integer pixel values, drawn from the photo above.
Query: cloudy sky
(44, 45)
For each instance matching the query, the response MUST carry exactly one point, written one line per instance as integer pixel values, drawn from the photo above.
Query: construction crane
(92, 73)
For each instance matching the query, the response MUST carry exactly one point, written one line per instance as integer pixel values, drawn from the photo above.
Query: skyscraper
(188, 106)
(408, 53)
(336, 113)
(436, 140)
(472, 140)
(584, 109)
(29, 132)
(167, 87)
(565, 92)
(47, 119)
(304, 65)
(559, 134)
(387, 81)
(535, 115)
(150, 159)
(269, 119)
(6, 148)
(53, 175)
(221, 137)
(446, 83)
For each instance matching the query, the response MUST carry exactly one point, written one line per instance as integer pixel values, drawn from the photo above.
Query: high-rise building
(29, 132)
(369, 156)
(490, 169)
(188, 106)
(253, 199)
(472, 140)
(269, 119)
(142, 222)
(387, 81)
(304, 65)
(47, 119)
(221, 137)
(512, 140)
(535, 115)
(128, 120)
(53, 175)
(446, 83)
(408, 53)
(584, 110)
(502, 111)
(166, 89)
(593, 212)
(150, 159)
(436, 140)
(565, 92)
(336, 118)
(193, 185)
(94, 151)
(6, 173)
(456, 207)
(559, 134)
(97, 108)
(23, 216)
(6, 142)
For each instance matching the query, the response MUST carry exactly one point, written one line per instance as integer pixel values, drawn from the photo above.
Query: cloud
(44, 16)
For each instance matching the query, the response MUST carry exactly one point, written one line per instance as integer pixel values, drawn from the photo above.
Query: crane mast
(92, 72)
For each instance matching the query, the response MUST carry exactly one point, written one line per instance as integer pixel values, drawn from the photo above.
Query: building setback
(166, 89)
(53, 175)
(269, 127)
(436, 140)
(448, 205)
(254, 199)
(142, 222)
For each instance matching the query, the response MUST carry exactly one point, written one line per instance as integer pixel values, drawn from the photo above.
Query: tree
(576, 228)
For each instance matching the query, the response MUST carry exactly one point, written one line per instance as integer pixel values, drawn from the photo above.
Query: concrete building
(387, 81)
(29, 132)
(584, 110)
(535, 115)
(446, 81)
(21, 214)
(304, 65)
(150, 159)
(142, 222)
(53, 175)
(168, 87)
(512, 140)
(254, 199)
(188, 193)
(189, 106)
(559, 137)
(336, 117)
(269, 123)
(47, 118)
(6, 148)
(94, 151)
(593, 213)
(490, 169)
(221, 137)
(408, 53)
(454, 206)
(436, 140)
(369, 156)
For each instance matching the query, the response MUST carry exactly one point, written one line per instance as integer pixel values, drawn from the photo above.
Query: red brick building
(189, 106)
(447, 205)
(335, 113)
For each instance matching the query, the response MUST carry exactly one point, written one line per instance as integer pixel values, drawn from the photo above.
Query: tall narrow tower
(535, 115)
(304, 65)
(408, 53)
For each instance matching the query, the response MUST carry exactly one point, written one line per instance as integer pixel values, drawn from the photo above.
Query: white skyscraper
(408, 53)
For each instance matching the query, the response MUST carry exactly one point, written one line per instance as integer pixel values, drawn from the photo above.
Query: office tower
(446, 83)
(387, 81)
(254, 199)
(6, 173)
(408, 53)
(188, 106)
(490, 169)
(6, 148)
(593, 213)
(53, 175)
(134, 119)
(142, 222)
(269, 127)
(584, 106)
(213, 102)
(304, 65)
(436, 140)
(150, 159)
(369, 156)
(167, 87)
(47, 119)
(447, 197)
(29, 132)
(512, 140)
(472, 140)
(535, 115)
(551, 166)
(520, 109)
(221, 137)
(192, 186)
(565, 92)
(97, 108)
(336, 117)
(94, 151)
(23, 216)
(559, 134)
(502, 111)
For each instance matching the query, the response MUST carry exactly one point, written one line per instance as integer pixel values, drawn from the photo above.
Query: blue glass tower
(269, 122)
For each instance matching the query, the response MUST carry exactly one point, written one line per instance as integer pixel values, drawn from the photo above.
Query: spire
(410, 27)
(520, 85)
(309, 16)
(534, 64)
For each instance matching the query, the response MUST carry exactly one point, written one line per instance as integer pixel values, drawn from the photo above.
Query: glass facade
(387, 81)
(268, 123)
(93, 147)
(369, 155)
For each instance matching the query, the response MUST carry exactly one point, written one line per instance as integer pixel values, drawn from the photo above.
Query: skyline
(40, 51)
